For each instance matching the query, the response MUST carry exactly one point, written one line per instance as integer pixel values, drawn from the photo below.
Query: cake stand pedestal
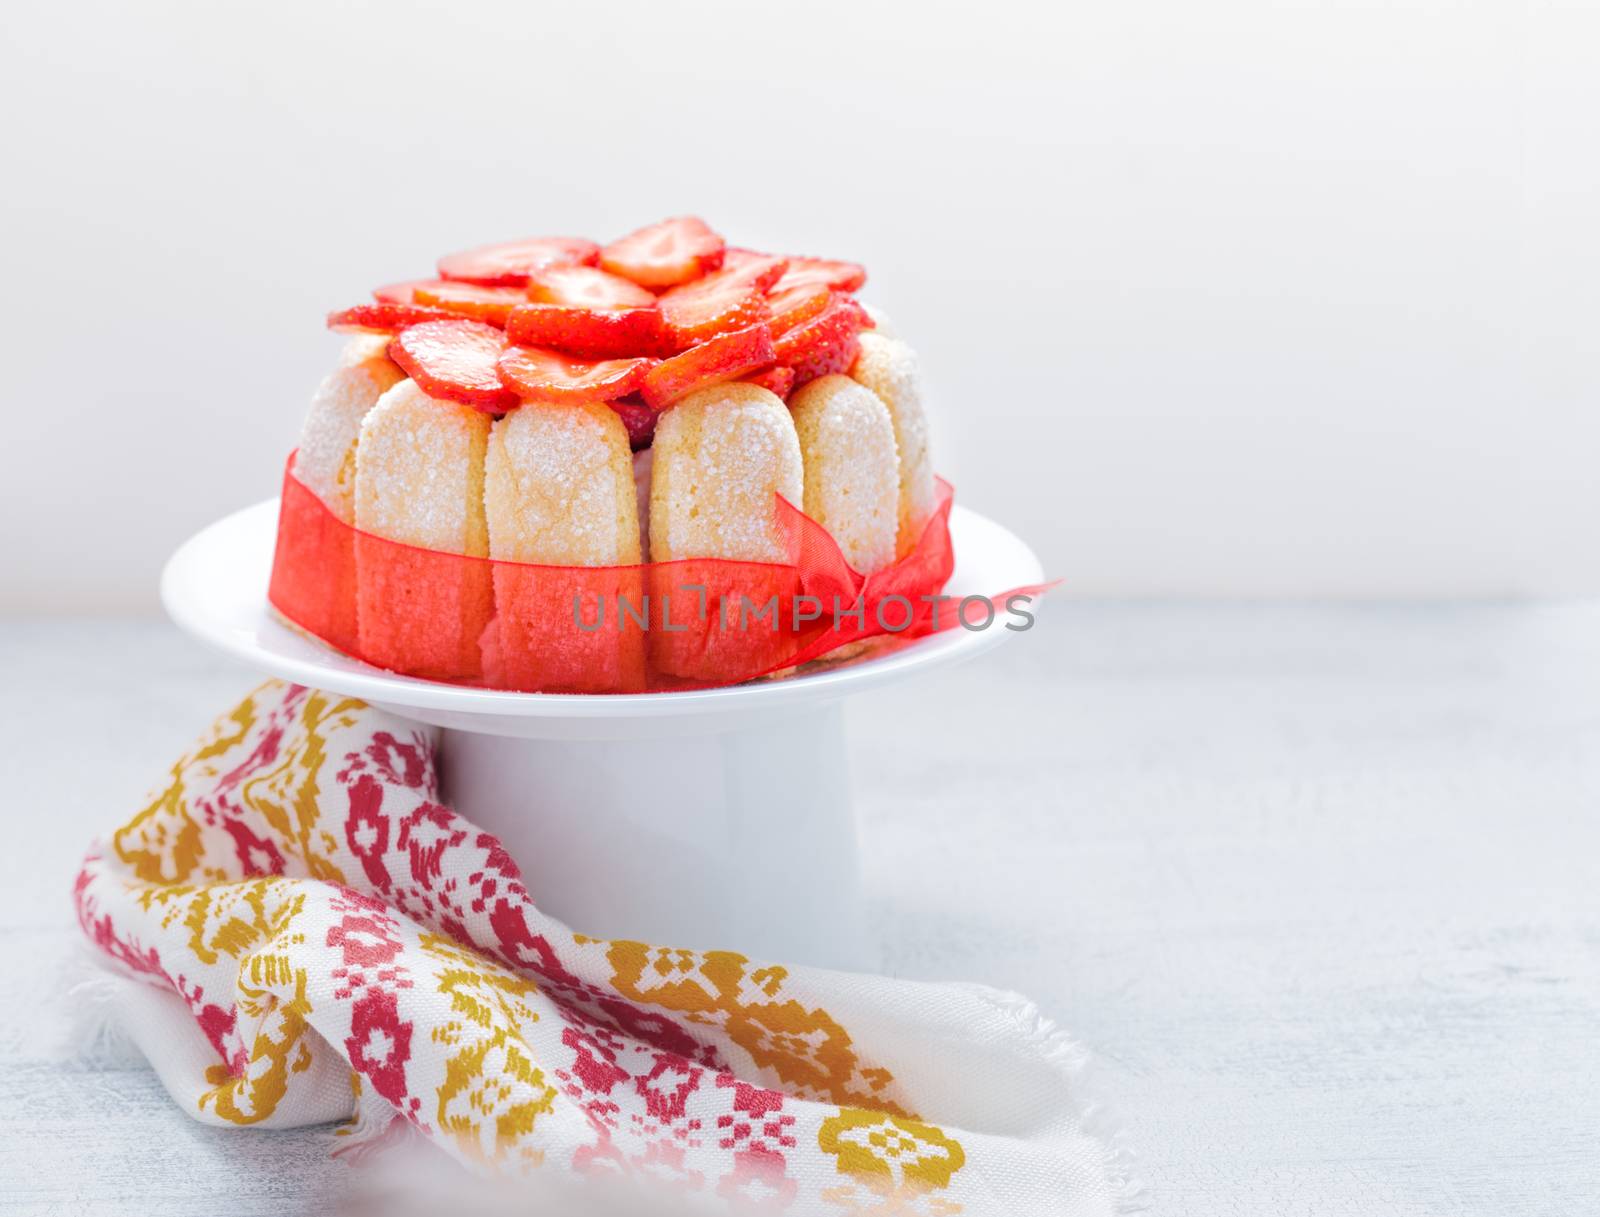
(711, 818)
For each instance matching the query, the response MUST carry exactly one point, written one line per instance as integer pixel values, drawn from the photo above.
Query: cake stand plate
(708, 818)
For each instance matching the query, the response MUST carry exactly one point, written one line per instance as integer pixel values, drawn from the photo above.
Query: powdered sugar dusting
(559, 487)
(852, 474)
(419, 471)
(326, 459)
(888, 367)
(720, 454)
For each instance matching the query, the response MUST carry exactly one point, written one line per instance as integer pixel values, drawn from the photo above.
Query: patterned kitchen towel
(321, 939)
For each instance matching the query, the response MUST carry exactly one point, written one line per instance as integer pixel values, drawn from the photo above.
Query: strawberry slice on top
(725, 357)
(589, 333)
(586, 287)
(778, 380)
(512, 262)
(700, 317)
(384, 317)
(398, 293)
(758, 270)
(473, 300)
(536, 374)
(790, 306)
(810, 272)
(455, 360)
(665, 254)
(727, 299)
(826, 343)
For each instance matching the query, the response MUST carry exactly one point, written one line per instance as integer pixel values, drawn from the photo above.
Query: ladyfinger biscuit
(888, 367)
(559, 487)
(559, 500)
(852, 475)
(722, 455)
(419, 481)
(325, 462)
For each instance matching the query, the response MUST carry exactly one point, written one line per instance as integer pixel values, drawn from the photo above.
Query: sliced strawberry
(779, 380)
(638, 418)
(807, 272)
(538, 374)
(758, 270)
(834, 358)
(698, 315)
(512, 262)
(735, 256)
(725, 357)
(586, 287)
(827, 343)
(690, 321)
(455, 360)
(792, 305)
(665, 254)
(398, 293)
(589, 333)
(854, 307)
(384, 318)
(473, 300)
(729, 299)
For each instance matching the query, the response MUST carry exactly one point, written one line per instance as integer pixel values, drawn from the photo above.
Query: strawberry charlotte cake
(553, 402)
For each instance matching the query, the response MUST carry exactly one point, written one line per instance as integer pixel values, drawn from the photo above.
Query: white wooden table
(1321, 887)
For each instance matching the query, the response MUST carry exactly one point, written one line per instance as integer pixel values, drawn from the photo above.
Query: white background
(1220, 299)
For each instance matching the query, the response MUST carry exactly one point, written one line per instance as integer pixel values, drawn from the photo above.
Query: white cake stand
(713, 818)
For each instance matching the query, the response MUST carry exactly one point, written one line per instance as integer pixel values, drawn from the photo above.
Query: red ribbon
(693, 623)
